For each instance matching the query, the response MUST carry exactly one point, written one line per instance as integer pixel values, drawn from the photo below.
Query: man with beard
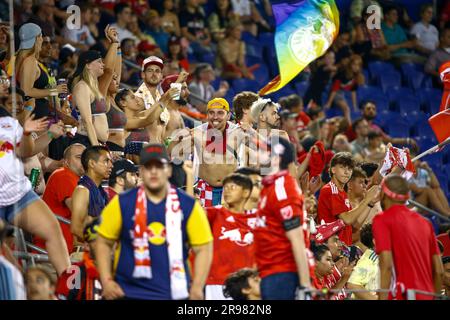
(123, 177)
(151, 93)
(215, 150)
(89, 198)
(369, 110)
(264, 114)
(406, 245)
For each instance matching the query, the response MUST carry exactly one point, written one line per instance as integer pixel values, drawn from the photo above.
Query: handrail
(421, 206)
(62, 219)
(36, 248)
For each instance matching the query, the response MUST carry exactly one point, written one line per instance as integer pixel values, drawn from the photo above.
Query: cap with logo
(121, 166)
(27, 34)
(326, 230)
(218, 103)
(152, 60)
(154, 151)
(258, 106)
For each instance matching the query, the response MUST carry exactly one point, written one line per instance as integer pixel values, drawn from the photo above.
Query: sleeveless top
(138, 135)
(42, 108)
(98, 106)
(116, 118)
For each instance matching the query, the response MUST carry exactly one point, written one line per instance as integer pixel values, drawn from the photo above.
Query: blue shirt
(395, 35)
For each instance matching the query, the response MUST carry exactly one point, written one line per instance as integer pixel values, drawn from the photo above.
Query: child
(243, 285)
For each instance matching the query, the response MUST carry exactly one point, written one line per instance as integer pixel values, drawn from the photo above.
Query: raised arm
(110, 60)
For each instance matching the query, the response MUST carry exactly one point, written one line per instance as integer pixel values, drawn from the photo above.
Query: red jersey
(444, 238)
(411, 240)
(333, 202)
(329, 281)
(233, 242)
(110, 192)
(279, 210)
(60, 187)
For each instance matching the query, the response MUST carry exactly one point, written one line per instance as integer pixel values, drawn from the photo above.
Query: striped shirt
(11, 281)
(13, 182)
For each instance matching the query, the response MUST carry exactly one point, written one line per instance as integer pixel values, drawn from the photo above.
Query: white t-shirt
(428, 37)
(241, 7)
(11, 282)
(13, 182)
(82, 36)
(124, 33)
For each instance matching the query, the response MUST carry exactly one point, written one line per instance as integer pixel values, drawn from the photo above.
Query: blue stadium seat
(251, 60)
(216, 83)
(209, 58)
(422, 128)
(412, 117)
(397, 128)
(254, 50)
(245, 85)
(384, 117)
(382, 103)
(267, 39)
(408, 104)
(397, 94)
(301, 87)
(247, 37)
(261, 75)
(389, 80)
(377, 68)
(230, 95)
(368, 93)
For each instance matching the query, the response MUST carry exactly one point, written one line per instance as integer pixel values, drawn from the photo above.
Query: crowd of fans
(129, 130)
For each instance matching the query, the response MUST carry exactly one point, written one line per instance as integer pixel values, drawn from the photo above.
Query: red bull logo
(235, 236)
(5, 147)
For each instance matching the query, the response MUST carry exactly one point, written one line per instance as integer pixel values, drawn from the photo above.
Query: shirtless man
(150, 92)
(215, 157)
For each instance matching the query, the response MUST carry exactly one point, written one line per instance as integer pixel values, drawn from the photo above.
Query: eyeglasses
(5, 81)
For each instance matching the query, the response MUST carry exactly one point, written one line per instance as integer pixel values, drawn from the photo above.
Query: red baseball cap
(167, 81)
(145, 45)
(152, 60)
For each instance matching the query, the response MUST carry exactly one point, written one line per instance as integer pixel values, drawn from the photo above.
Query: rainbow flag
(305, 29)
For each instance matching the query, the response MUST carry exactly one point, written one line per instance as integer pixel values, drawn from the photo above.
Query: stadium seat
(251, 60)
(209, 58)
(389, 80)
(244, 85)
(408, 104)
(267, 39)
(377, 68)
(397, 128)
(254, 50)
(382, 103)
(412, 117)
(368, 93)
(301, 87)
(216, 83)
(261, 75)
(230, 95)
(397, 94)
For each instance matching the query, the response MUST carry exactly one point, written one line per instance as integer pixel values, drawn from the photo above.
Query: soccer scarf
(174, 238)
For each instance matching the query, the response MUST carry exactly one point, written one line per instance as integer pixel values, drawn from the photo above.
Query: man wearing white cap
(150, 92)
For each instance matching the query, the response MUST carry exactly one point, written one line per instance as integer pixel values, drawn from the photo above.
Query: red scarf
(214, 142)
(317, 161)
(142, 260)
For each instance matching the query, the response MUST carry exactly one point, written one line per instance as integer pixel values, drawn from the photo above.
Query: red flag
(444, 73)
(440, 123)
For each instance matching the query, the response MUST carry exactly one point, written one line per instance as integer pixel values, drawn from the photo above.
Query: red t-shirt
(60, 186)
(444, 238)
(411, 240)
(333, 202)
(331, 280)
(110, 192)
(280, 209)
(233, 242)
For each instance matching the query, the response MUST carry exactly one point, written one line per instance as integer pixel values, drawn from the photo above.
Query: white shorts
(214, 292)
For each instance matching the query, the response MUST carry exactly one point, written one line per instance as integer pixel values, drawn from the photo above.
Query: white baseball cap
(152, 60)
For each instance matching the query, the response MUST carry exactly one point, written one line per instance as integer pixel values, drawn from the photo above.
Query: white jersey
(13, 182)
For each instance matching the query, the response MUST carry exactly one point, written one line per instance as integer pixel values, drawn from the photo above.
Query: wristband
(27, 133)
(50, 135)
(28, 108)
(119, 53)
(53, 92)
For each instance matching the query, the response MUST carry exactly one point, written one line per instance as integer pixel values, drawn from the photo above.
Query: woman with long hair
(169, 18)
(32, 79)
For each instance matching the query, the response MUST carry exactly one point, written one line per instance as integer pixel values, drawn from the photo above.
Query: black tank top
(42, 108)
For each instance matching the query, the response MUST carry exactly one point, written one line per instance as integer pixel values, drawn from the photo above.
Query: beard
(369, 117)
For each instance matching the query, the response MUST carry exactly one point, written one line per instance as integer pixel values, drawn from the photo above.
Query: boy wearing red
(280, 239)
(232, 230)
(406, 245)
(333, 200)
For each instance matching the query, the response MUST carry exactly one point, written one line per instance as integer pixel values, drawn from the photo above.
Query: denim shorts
(279, 286)
(8, 213)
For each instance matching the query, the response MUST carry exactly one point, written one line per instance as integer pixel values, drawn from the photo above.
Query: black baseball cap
(154, 151)
(286, 114)
(119, 167)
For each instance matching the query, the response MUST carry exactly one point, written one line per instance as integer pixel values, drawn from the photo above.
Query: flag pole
(432, 149)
